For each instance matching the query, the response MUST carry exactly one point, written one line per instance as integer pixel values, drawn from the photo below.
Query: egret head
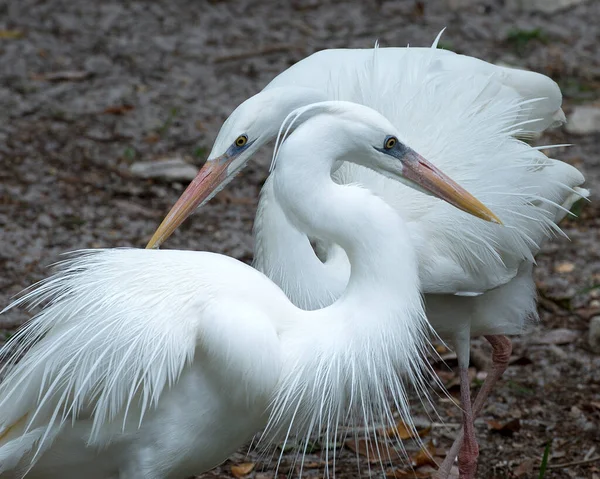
(355, 133)
(251, 125)
(402, 163)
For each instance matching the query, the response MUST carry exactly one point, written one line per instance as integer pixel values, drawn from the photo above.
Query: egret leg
(467, 457)
(501, 351)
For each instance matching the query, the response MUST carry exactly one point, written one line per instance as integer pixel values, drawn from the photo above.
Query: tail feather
(578, 194)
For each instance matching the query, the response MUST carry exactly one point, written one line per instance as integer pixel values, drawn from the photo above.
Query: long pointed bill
(421, 172)
(207, 182)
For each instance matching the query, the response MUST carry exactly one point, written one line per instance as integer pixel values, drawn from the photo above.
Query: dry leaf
(118, 109)
(241, 470)
(588, 313)
(418, 9)
(402, 431)
(407, 474)
(152, 138)
(506, 429)
(494, 425)
(371, 449)
(564, 267)
(359, 446)
(424, 456)
(398, 473)
(11, 34)
(524, 469)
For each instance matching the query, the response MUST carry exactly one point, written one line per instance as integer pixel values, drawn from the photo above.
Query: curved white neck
(372, 234)
(286, 256)
(376, 329)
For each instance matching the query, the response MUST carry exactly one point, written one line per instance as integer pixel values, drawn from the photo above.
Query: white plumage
(159, 364)
(465, 116)
(466, 119)
(133, 366)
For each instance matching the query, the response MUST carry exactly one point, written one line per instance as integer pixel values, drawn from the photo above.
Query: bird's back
(340, 71)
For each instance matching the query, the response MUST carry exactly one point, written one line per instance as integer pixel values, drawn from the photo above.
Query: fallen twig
(62, 76)
(255, 53)
(574, 463)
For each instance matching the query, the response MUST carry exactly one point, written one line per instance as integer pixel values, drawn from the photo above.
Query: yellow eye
(390, 142)
(241, 141)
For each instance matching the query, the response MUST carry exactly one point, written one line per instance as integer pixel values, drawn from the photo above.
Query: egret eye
(390, 142)
(241, 141)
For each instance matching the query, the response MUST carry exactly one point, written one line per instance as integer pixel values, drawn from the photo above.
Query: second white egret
(465, 116)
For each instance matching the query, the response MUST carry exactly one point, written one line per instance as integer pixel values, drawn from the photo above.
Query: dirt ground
(88, 88)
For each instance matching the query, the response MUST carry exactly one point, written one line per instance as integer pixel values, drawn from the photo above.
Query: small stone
(171, 169)
(564, 267)
(67, 22)
(558, 336)
(98, 64)
(166, 44)
(45, 221)
(99, 133)
(584, 119)
(594, 334)
(557, 352)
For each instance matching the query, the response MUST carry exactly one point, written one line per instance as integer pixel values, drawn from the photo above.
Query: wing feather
(106, 340)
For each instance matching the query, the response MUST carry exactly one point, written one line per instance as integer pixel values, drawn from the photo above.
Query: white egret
(159, 364)
(464, 115)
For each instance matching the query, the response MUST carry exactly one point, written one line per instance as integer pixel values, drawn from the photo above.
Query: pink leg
(467, 458)
(502, 349)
